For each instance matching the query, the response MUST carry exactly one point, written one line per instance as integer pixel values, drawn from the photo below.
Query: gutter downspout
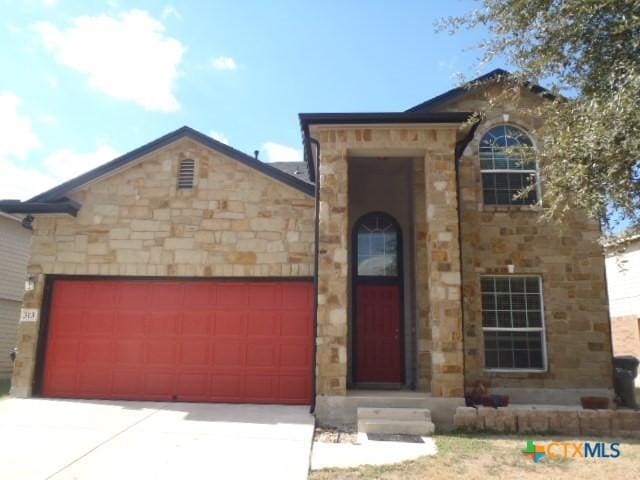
(315, 142)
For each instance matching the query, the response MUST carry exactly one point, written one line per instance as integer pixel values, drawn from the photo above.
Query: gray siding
(9, 313)
(15, 243)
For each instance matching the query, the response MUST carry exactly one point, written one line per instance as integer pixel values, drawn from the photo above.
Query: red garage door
(204, 341)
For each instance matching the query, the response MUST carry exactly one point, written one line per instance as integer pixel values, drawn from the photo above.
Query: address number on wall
(28, 314)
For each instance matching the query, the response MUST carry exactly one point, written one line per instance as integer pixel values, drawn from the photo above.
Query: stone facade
(549, 420)
(441, 334)
(513, 240)
(235, 222)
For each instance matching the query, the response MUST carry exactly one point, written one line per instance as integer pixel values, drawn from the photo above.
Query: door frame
(355, 280)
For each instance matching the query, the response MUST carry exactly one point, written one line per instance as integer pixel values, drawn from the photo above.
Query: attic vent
(186, 173)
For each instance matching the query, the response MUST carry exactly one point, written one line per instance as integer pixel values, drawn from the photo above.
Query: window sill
(511, 208)
(515, 370)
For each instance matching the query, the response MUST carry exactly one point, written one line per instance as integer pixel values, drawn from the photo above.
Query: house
(398, 270)
(14, 253)
(623, 283)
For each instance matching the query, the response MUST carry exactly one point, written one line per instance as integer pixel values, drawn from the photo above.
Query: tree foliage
(589, 52)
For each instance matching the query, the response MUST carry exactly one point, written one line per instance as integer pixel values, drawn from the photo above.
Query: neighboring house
(623, 283)
(187, 270)
(14, 252)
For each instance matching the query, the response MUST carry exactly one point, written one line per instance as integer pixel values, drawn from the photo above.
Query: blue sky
(84, 81)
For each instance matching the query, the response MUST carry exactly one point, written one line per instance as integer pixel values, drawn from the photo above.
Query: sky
(83, 82)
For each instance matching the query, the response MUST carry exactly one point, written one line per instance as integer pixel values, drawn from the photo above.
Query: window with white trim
(186, 173)
(513, 323)
(508, 165)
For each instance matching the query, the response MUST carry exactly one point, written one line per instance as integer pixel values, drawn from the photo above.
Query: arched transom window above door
(377, 237)
(508, 165)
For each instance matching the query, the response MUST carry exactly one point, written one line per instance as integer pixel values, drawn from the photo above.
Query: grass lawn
(5, 385)
(497, 457)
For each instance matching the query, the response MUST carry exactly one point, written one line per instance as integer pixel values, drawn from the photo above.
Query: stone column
(23, 368)
(443, 265)
(333, 270)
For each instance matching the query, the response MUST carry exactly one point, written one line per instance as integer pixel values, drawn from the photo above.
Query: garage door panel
(194, 353)
(226, 387)
(232, 295)
(96, 352)
(295, 356)
(159, 384)
(296, 324)
(225, 341)
(230, 323)
(66, 322)
(136, 296)
(262, 355)
(129, 323)
(265, 296)
(260, 388)
(294, 387)
(228, 354)
(95, 381)
(126, 383)
(128, 352)
(196, 323)
(63, 352)
(200, 295)
(159, 353)
(263, 323)
(98, 322)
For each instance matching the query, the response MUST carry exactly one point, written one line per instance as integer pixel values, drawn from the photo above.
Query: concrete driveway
(64, 439)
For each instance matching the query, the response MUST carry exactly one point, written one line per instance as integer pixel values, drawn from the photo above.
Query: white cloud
(21, 179)
(276, 152)
(17, 138)
(66, 163)
(49, 3)
(221, 137)
(224, 63)
(47, 119)
(128, 57)
(170, 11)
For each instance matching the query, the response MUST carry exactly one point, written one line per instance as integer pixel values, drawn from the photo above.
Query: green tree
(588, 51)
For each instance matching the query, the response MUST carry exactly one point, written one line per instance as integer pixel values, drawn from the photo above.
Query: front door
(377, 285)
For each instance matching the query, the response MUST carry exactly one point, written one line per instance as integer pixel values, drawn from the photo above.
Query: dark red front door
(378, 327)
(377, 284)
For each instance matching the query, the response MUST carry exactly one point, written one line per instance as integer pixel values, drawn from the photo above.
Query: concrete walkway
(368, 452)
(60, 439)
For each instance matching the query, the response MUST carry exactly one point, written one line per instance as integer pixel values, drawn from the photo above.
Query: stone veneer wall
(565, 255)
(436, 146)
(235, 222)
(552, 419)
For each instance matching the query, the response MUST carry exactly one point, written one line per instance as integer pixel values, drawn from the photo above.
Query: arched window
(186, 173)
(377, 235)
(508, 165)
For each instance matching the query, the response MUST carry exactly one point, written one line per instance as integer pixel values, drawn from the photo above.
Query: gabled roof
(184, 132)
(296, 169)
(458, 92)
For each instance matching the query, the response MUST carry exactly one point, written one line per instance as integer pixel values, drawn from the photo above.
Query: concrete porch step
(400, 421)
(408, 414)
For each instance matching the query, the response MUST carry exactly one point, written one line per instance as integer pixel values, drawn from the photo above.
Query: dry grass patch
(496, 457)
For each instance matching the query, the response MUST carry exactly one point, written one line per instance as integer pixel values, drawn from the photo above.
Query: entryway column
(333, 269)
(443, 265)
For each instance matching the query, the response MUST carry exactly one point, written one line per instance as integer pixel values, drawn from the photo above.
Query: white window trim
(542, 330)
(535, 171)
